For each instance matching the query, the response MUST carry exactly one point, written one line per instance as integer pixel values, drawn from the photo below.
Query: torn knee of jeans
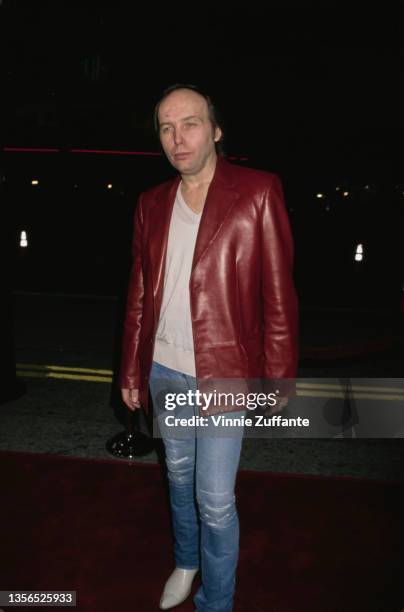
(179, 470)
(174, 461)
(217, 516)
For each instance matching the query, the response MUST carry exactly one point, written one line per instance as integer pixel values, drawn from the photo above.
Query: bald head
(192, 89)
(186, 131)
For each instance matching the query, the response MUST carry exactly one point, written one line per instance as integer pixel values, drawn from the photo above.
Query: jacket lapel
(220, 199)
(160, 217)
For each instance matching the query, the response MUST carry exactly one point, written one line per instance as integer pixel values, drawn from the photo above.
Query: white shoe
(177, 588)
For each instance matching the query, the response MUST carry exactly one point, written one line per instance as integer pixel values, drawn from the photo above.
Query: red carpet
(102, 528)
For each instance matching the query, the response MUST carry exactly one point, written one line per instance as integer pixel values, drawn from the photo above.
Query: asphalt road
(67, 351)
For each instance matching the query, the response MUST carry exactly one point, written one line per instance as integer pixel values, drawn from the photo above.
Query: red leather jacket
(243, 302)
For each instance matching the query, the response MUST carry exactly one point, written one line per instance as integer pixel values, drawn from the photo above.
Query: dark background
(293, 80)
(312, 91)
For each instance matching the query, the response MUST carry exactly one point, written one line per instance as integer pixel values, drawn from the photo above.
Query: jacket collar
(220, 199)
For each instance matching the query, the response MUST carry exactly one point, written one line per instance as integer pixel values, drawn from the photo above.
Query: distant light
(319, 195)
(367, 187)
(34, 182)
(345, 193)
(359, 252)
(337, 188)
(109, 186)
(23, 239)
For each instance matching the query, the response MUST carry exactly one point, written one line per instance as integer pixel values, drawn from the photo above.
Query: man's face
(186, 133)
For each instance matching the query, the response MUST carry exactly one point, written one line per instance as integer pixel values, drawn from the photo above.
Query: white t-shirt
(174, 345)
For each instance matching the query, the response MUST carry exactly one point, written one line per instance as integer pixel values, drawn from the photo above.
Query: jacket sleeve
(279, 295)
(129, 377)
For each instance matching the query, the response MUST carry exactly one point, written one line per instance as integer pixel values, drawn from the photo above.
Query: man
(211, 296)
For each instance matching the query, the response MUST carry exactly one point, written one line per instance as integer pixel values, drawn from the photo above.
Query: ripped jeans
(201, 474)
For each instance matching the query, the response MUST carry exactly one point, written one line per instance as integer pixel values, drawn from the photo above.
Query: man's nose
(177, 136)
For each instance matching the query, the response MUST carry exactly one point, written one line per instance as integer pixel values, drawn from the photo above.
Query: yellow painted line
(319, 394)
(33, 366)
(29, 374)
(299, 385)
(326, 390)
(354, 387)
(376, 397)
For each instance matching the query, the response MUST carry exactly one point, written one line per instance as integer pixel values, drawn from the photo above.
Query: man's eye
(189, 124)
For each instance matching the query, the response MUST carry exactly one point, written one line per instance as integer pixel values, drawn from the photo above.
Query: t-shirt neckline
(184, 205)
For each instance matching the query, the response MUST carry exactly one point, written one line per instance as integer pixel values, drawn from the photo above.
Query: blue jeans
(201, 475)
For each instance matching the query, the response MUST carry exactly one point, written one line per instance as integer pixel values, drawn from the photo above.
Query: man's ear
(218, 134)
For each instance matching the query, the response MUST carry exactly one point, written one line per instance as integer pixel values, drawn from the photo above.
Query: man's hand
(131, 398)
(280, 404)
